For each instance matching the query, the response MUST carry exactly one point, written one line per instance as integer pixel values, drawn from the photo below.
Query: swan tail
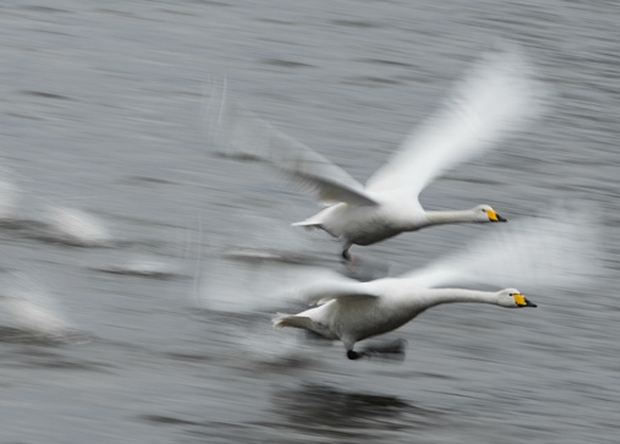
(281, 320)
(308, 224)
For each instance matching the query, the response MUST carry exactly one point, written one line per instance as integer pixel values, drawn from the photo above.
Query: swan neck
(449, 217)
(452, 295)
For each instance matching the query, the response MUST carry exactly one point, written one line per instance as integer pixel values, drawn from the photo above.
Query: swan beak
(494, 217)
(523, 302)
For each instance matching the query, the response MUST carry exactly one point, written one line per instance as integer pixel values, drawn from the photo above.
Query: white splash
(9, 200)
(29, 307)
(76, 227)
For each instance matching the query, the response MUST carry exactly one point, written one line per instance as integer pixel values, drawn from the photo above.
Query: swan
(559, 251)
(353, 311)
(498, 95)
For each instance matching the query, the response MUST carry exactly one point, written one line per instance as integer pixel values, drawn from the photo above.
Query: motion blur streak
(103, 113)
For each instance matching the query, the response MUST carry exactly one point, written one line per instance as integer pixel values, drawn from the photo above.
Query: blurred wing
(497, 96)
(562, 250)
(241, 134)
(337, 287)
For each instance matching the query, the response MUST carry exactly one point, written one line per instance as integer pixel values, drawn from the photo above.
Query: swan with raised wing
(494, 99)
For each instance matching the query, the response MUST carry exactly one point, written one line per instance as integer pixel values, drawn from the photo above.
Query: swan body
(368, 225)
(351, 311)
(495, 98)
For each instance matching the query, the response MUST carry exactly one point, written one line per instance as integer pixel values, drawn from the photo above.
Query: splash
(29, 308)
(75, 227)
(9, 201)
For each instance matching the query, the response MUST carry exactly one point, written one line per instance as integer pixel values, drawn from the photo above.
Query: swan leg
(346, 255)
(345, 249)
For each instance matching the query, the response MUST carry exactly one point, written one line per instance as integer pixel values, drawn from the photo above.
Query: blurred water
(102, 108)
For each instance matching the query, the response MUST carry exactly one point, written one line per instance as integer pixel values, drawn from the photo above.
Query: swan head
(484, 213)
(513, 298)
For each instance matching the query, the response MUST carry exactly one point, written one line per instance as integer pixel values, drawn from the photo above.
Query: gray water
(102, 110)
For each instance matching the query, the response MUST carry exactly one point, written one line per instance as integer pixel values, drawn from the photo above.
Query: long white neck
(449, 217)
(432, 297)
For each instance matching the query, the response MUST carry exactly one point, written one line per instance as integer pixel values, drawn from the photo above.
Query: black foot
(346, 255)
(355, 355)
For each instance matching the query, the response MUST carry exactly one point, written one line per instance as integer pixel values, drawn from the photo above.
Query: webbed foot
(355, 355)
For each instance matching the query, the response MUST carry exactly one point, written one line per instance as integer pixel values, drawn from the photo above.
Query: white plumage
(498, 95)
(552, 255)
(353, 311)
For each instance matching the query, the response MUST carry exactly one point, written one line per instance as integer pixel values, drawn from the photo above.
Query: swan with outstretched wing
(558, 254)
(497, 96)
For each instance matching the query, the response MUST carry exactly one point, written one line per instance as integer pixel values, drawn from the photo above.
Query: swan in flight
(562, 251)
(353, 311)
(496, 97)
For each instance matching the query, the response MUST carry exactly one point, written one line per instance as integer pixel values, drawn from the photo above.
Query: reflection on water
(321, 409)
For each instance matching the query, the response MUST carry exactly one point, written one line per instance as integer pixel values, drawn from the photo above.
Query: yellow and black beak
(494, 217)
(522, 301)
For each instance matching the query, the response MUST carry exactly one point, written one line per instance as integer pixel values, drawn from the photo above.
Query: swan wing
(239, 133)
(559, 250)
(498, 95)
(349, 297)
(335, 287)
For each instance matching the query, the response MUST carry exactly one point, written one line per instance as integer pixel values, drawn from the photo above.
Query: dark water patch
(165, 420)
(243, 157)
(255, 256)
(40, 356)
(176, 12)
(45, 9)
(143, 270)
(47, 31)
(14, 335)
(284, 365)
(116, 12)
(371, 81)
(189, 357)
(66, 364)
(213, 3)
(148, 180)
(23, 116)
(476, 180)
(315, 408)
(21, 336)
(48, 235)
(411, 374)
(21, 224)
(45, 95)
(226, 318)
(285, 63)
(223, 432)
(277, 22)
(355, 23)
(137, 220)
(386, 62)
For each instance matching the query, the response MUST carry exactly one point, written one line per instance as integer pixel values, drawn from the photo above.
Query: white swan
(353, 311)
(554, 254)
(493, 99)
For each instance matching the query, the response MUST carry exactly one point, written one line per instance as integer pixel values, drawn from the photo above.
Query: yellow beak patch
(492, 215)
(520, 300)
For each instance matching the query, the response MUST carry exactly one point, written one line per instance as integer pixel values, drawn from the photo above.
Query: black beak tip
(501, 219)
(531, 304)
